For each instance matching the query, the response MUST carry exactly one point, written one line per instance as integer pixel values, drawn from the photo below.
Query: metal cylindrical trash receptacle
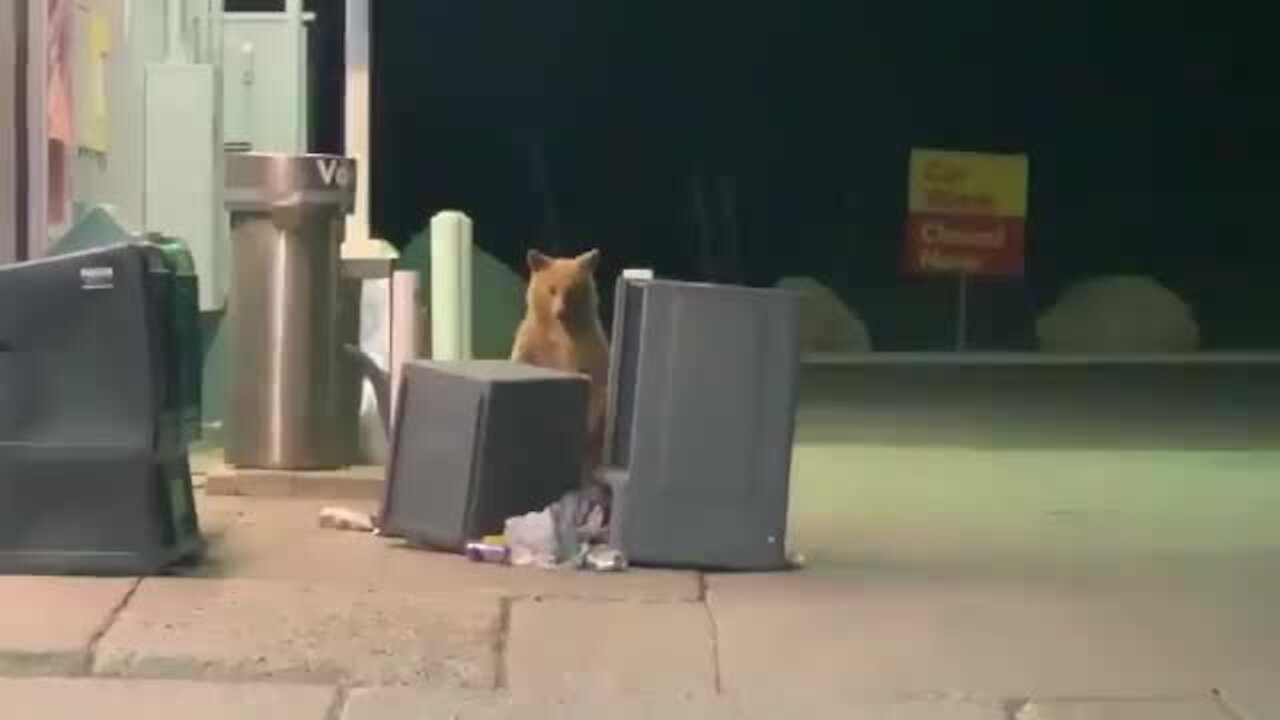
(287, 217)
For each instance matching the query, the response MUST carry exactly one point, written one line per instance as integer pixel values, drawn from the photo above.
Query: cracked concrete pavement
(1086, 619)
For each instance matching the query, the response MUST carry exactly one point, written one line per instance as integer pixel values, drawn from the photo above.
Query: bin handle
(380, 380)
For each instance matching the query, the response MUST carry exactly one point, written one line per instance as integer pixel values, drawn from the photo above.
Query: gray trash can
(286, 404)
(701, 422)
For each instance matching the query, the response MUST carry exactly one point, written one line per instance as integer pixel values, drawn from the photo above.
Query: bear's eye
(553, 290)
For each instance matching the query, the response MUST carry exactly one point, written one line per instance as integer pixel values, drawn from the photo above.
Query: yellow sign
(967, 183)
(99, 48)
(966, 213)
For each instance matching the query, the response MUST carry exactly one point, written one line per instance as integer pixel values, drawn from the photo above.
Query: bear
(561, 330)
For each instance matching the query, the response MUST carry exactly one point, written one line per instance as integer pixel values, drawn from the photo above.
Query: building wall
(9, 133)
(115, 177)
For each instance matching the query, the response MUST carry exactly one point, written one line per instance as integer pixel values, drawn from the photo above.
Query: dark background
(571, 124)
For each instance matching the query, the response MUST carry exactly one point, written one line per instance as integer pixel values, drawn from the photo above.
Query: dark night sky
(1150, 134)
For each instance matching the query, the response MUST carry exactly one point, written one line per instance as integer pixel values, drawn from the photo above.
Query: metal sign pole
(962, 311)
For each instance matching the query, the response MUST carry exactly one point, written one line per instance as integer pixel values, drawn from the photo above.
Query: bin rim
(259, 181)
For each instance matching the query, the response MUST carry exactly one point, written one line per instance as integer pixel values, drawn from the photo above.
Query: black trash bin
(94, 477)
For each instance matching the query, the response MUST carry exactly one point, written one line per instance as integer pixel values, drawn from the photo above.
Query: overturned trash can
(94, 478)
(286, 396)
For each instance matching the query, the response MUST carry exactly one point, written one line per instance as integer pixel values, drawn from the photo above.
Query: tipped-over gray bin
(703, 383)
(93, 456)
(478, 441)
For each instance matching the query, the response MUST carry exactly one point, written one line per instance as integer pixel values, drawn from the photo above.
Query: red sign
(966, 214)
(964, 244)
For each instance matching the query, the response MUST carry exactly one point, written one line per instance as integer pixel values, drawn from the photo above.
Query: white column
(450, 286)
(356, 122)
(405, 324)
(298, 50)
(175, 43)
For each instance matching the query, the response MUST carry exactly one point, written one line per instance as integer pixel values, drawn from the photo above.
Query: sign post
(962, 310)
(966, 216)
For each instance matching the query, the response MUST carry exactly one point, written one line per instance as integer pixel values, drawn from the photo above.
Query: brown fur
(562, 330)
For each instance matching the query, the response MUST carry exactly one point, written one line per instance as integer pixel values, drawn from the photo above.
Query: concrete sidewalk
(74, 699)
(287, 620)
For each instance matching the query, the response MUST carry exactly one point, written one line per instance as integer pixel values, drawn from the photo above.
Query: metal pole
(215, 40)
(731, 238)
(216, 58)
(535, 141)
(175, 34)
(962, 312)
(706, 229)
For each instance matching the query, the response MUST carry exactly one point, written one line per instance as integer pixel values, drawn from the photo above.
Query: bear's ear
(537, 260)
(589, 260)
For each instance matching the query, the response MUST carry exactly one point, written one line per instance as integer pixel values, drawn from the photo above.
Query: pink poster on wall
(59, 118)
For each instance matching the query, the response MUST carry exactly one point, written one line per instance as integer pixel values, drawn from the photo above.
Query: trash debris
(569, 533)
(336, 518)
(579, 520)
(488, 552)
(531, 539)
(795, 560)
(604, 558)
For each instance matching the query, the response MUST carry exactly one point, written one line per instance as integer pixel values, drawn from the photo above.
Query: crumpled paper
(569, 533)
(531, 539)
(339, 518)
